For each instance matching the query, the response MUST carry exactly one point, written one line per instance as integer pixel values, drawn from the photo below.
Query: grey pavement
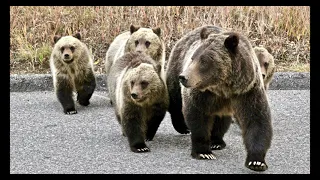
(43, 140)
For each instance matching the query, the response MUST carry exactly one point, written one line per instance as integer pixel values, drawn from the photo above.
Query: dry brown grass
(285, 29)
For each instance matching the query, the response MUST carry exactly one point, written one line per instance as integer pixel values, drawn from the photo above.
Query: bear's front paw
(140, 148)
(183, 130)
(218, 146)
(208, 155)
(70, 111)
(84, 103)
(257, 165)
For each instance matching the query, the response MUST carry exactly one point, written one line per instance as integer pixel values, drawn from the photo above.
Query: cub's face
(265, 59)
(210, 64)
(143, 82)
(67, 47)
(145, 40)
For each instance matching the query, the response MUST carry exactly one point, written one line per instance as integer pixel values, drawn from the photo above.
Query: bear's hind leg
(177, 118)
(220, 127)
(64, 90)
(86, 89)
(153, 124)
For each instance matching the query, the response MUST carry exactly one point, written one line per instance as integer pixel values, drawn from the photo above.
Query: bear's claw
(257, 166)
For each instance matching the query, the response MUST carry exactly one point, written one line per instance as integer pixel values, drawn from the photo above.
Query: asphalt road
(44, 140)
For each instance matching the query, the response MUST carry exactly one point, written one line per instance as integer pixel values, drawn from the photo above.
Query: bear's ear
(77, 35)
(134, 28)
(204, 33)
(269, 50)
(56, 38)
(232, 42)
(157, 31)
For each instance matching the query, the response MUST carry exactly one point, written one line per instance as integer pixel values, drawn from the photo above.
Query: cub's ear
(232, 42)
(269, 49)
(77, 35)
(157, 31)
(204, 33)
(56, 38)
(134, 28)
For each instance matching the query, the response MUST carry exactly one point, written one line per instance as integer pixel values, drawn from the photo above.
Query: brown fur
(138, 39)
(212, 75)
(267, 65)
(139, 96)
(71, 65)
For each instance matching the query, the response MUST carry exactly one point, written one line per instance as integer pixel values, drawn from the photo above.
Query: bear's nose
(182, 79)
(66, 55)
(134, 95)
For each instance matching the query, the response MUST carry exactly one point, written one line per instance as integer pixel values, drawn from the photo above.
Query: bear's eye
(144, 84)
(72, 48)
(266, 64)
(136, 42)
(132, 83)
(62, 49)
(147, 44)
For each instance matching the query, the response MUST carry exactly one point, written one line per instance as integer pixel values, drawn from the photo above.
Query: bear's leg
(158, 111)
(175, 110)
(85, 89)
(132, 125)
(220, 127)
(200, 126)
(64, 89)
(254, 113)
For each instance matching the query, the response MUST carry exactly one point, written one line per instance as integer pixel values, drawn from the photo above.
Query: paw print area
(257, 166)
(71, 112)
(206, 156)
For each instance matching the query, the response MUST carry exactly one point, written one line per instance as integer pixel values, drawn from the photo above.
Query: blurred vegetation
(286, 29)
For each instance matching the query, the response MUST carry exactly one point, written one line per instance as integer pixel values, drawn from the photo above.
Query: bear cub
(71, 66)
(267, 65)
(139, 97)
(140, 39)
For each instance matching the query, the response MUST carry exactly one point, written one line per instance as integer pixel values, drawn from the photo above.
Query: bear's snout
(134, 95)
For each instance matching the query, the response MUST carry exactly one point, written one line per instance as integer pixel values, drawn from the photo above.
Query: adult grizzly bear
(266, 64)
(139, 96)
(71, 66)
(219, 77)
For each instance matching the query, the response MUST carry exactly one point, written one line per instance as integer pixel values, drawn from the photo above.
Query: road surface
(46, 141)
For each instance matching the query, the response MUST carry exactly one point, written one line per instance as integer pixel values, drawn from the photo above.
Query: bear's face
(67, 47)
(143, 82)
(265, 59)
(211, 63)
(145, 40)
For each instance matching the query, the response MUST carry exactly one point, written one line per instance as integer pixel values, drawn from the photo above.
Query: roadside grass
(285, 29)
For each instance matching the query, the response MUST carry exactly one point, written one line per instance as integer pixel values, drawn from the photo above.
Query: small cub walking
(139, 96)
(71, 66)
